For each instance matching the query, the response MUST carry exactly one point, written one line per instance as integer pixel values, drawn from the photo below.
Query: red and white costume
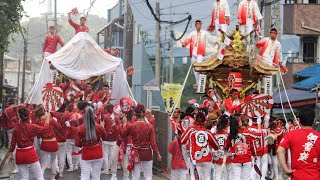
(49, 147)
(78, 27)
(279, 131)
(249, 14)
(75, 120)
(185, 123)
(22, 140)
(305, 153)
(271, 51)
(220, 11)
(232, 106)
(50, 44)
(8, 120)
(219, 155)
(143, 147)
(200, 142)
(261, 148)
(61, 136)
(242, 148)
(198, 44)
(211, 103)
(92, 153)
(89, 96)
(112, 124)
(178, 164)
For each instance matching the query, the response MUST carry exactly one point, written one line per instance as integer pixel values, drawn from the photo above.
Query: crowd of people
(87, 132)
(217, 141)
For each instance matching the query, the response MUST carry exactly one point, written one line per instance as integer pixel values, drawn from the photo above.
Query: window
(309, 49)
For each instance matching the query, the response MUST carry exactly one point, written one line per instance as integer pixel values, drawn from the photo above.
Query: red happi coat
(241, 147)
(177, 161)
(78, 27)
(223, 11)
(51, 42)
(222, 138)
(143, 139)
(22, 139)
(242, 12)
(258, 139)
(200, 141)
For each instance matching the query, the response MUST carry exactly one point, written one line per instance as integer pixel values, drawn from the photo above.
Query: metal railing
(308, 60)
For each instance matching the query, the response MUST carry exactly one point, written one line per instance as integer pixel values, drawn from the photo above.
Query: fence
(163, 132)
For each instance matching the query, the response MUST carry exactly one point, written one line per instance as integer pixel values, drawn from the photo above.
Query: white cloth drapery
(80, 59)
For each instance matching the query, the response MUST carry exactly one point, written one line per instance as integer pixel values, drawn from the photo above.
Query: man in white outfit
(198, 42)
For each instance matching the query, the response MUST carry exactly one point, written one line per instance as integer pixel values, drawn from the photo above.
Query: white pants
(222, 174)
(275, 166)
(241, 171)
(9, 132)
(262, 163)
(223, 27)
(91, 167)
(72, 160)
(44, 159)
(204, 170)
(146, 167)
(46, 54)
(196, 58)
(35, 169)
(62, 156)
(37, 145)
(247, 28)
(187, 160)
(179, 174)
(124, 163)
(109, 149)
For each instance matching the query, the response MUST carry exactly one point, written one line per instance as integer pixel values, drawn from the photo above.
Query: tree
(11, 11)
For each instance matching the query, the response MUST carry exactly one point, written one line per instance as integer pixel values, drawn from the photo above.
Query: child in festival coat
(178, 164)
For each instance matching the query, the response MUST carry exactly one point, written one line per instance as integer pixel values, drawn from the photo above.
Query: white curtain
(80, 59)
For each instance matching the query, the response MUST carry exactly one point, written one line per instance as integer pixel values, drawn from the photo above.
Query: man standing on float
(271, 54)
(198, 41)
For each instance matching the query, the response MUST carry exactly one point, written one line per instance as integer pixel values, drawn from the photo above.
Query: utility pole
(25, 52)
(267, 21)
(18, 84)
(158, 48)
(55, 15)
(171, 50)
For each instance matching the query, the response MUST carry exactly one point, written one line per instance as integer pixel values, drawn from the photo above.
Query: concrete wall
(295, 14)
(289, 78)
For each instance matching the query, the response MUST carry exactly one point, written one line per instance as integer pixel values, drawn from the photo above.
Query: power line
(139, 11)
(171, 22)
(182, 4)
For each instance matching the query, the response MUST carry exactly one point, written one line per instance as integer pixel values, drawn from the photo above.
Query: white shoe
(114, 177)
(75, 168)
(15, 171)
(125, 177)
(70, 169)
(105, 171)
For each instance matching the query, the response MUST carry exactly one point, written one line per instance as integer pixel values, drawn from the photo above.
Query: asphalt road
(66, 175)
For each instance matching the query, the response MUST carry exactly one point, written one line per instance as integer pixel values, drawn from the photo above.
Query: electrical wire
(139, 11)
(170, 22)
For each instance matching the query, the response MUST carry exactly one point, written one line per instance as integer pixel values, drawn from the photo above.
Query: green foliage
(179, 74)
(36, 30)
(11, 11)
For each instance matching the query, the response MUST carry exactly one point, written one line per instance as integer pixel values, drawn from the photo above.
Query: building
(13, 74)
(302, 18)
(119, 32)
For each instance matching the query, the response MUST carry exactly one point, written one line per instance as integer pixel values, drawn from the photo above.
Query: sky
(199, 9)
(35, 8)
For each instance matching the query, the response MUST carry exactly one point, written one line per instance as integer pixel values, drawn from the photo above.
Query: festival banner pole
(180, 94)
